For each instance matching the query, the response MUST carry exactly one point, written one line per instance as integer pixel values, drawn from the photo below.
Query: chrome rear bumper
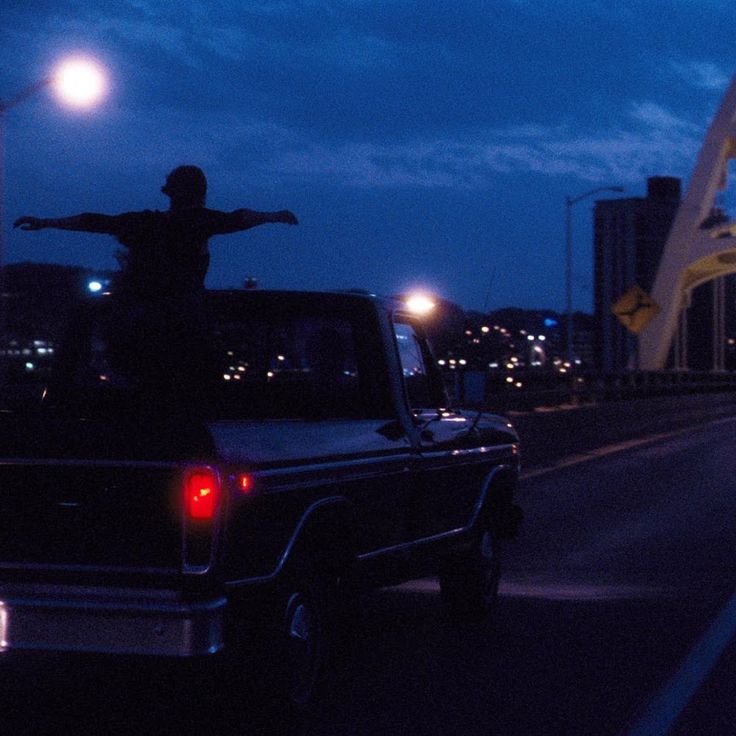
(65, 618)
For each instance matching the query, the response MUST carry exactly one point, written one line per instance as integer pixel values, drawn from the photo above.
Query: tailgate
(94, 515)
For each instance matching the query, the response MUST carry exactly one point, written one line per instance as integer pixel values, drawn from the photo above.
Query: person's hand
(288, 218)
(29, 223)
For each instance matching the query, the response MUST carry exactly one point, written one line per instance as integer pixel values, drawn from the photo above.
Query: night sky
(419, 143)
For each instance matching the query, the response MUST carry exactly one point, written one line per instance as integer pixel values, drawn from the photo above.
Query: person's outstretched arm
(244, 219)
(88, 222)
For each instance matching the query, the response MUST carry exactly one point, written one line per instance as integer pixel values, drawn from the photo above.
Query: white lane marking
(572, 591)
(666, 707)
(585, 457)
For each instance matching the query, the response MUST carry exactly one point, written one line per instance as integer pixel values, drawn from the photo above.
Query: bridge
(700, 248)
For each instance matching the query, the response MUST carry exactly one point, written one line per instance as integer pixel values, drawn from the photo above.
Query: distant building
(525, 338)
(629, 236)
(34, 306)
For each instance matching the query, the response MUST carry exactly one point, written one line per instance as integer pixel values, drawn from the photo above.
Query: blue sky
(419, 143)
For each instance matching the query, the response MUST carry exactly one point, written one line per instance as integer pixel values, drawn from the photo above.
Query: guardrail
(551, 434)
(530, 389)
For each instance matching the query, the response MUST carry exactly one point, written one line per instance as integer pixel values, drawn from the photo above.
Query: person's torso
(167, 251)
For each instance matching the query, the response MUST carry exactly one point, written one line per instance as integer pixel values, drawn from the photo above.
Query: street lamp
(420, 304)
(569, 202)
(78, 82)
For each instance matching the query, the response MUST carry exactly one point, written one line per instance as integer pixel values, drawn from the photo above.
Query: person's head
(186, 186)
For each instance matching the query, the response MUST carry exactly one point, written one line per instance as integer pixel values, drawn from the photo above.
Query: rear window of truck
(300, 362)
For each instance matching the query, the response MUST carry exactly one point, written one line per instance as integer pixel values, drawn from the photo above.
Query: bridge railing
(530, 389)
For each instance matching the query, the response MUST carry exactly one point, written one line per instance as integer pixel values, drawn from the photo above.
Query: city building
(629, 236)
(34, 305)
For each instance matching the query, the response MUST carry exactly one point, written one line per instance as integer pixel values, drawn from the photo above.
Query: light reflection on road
(553, 590)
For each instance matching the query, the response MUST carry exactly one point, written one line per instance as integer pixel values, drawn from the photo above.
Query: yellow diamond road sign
(635, 309)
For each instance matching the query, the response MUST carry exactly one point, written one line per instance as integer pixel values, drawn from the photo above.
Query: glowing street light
(420, 304)
(78, 82)
(95, 286)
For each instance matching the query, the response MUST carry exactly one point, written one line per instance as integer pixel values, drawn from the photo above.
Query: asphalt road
(617, 615)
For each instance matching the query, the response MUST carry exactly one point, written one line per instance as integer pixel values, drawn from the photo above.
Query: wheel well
(327, 540)
(499, 511)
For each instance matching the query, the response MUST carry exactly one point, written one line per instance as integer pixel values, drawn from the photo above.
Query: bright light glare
(80, 82)
(420, 304)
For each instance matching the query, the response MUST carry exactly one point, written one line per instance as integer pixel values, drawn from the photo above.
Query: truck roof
(329, 299)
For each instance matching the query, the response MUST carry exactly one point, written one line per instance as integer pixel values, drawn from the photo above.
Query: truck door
(306, 393)
(446, 479)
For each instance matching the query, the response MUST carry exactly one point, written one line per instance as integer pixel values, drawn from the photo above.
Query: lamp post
(569, 202)
(77, 82)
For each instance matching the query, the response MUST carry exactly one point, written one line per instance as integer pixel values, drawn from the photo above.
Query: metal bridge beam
(697, 250)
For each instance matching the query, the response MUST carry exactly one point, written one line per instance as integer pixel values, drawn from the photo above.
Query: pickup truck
(320, 455)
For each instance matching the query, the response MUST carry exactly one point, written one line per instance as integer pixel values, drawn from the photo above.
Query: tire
(304, 639)
(469, 581)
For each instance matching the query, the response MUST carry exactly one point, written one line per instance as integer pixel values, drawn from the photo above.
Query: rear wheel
(304, 638)
(277, 652)
(305, 645)
(469, 581)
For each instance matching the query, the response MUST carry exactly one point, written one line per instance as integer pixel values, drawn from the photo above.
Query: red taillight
(245, 483)
(201, 493)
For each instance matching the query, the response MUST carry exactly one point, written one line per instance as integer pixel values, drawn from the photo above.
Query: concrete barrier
(551, 434)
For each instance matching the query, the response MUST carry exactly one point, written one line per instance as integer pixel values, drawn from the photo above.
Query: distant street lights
(78, 82)
(569, 202)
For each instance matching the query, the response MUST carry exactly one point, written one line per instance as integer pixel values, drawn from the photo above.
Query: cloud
(658, 118)
(345, 49)
(344, 96)
(654, 141)
(702, 74)
(159, 35)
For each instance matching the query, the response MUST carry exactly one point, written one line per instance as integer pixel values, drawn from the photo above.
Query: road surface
(617, 615)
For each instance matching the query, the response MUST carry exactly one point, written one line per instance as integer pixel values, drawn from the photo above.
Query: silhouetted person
(159, 335)
(168, 253)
